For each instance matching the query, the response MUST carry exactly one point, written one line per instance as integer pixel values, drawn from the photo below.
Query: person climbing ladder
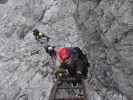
(52, 53)
(74, 61)
(40, 36)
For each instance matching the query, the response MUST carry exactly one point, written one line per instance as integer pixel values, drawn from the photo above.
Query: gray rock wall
(24, 66)
(103, 28)
(107, 28)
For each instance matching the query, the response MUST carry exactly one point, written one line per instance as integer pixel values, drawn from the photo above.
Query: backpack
(76, 52)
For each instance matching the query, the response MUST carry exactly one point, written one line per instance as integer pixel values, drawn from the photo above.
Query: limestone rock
(102, 28)
(108, 26)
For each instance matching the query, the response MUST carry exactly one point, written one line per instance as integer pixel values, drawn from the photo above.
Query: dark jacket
(76, 67)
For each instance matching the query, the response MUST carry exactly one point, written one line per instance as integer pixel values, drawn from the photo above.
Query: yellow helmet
(41, 34)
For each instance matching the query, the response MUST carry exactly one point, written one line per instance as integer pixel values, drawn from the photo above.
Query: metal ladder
(64, 89)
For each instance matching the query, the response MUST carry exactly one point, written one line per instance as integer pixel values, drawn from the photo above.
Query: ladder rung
(68, 80)
(80, 98)
(70, 88)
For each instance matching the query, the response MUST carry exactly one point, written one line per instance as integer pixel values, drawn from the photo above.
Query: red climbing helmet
(64, 53)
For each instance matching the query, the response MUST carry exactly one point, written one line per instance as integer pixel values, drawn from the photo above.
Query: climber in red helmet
(73, 63)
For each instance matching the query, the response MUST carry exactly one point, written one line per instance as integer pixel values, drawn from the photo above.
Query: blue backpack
(75, 51)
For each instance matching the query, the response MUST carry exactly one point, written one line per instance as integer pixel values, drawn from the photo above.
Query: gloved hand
(60, 72)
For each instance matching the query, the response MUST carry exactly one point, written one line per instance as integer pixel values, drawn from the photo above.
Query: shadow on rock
(3, 1)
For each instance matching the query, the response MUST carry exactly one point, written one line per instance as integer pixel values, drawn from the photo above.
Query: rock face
(107, 31)
(24, 65)
(103, 28)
